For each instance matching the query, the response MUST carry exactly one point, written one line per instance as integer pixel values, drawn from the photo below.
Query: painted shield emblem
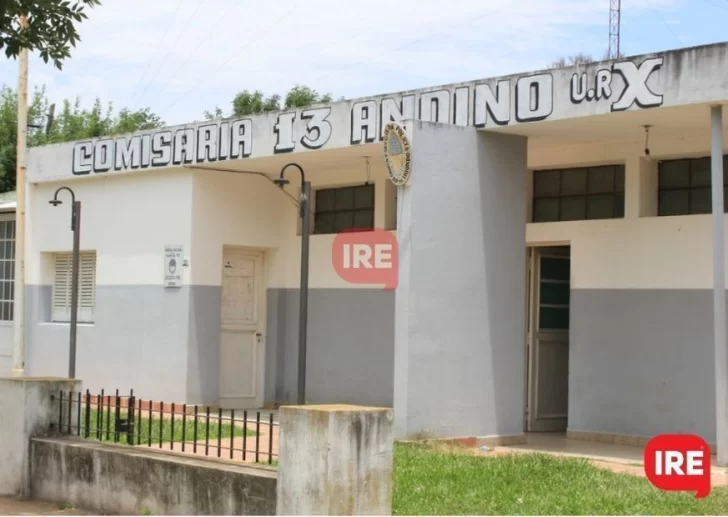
(397, 153)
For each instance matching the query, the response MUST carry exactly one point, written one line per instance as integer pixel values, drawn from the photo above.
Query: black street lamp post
(76, 228)
(304, 214)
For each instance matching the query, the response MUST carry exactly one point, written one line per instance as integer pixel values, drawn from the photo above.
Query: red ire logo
(366, 257)
(678, 462)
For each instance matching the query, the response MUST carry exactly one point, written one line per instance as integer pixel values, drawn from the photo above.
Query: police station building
(555, 255)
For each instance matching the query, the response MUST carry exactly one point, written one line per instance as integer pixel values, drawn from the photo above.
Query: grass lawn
(153, 427)
(440, 482)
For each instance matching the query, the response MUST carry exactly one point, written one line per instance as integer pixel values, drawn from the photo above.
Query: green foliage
(248, 103)
(428, 481)
(8, 138)
(51, 27)
(155, 429)
(128, 121)
(71, 122)
(302, 96)
(252, 103)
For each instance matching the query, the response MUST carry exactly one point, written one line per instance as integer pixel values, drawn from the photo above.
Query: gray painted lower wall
(641, 362)
(203, 354)
(164, 343)
(6, 349)
(350, 349)
(138, 341)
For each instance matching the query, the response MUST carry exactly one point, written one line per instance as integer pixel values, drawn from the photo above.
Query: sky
(182, 57)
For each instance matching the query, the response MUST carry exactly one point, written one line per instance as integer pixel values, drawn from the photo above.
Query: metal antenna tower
(615, 8)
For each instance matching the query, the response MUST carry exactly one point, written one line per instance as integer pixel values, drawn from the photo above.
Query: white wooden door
(548, 340)
(241, 330)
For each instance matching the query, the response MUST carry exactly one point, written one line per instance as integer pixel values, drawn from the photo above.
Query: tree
(579, 59)
(128, 121)
(70, 123)
(302, 96)
(576, 59)
(247, 103)
(51, 29)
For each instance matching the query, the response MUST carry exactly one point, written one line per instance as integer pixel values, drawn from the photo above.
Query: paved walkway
(626, 459)
(14, 507)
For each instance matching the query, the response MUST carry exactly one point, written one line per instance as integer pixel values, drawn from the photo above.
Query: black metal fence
(183, 428)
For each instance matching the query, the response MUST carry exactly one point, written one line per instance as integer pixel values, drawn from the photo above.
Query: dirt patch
(238, 448)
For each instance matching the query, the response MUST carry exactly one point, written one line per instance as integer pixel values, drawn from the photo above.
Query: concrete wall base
(28, 408)
(502, 441)
(335, 460)
(116, 479)
(476, 441)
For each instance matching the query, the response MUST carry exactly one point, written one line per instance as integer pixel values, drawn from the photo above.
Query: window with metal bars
(63, 268)
(7, 266)
(683, 186)
(344, 208)
(578, 194)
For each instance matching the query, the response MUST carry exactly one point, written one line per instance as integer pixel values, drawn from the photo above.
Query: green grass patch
(155, 428)
(440, 482)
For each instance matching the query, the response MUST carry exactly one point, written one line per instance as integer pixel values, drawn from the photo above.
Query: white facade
(635, 357)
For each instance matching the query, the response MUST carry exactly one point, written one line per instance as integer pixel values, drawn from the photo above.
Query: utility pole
(615, 15)
(19, 306)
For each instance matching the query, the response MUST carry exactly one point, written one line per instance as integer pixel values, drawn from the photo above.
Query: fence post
(28, 407)
(130, 420)
(335, 460)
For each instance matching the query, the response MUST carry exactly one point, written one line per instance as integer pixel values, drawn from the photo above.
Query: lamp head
(55, 202)
(281, 182)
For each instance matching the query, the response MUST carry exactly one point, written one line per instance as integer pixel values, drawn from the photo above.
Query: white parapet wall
(335, 460)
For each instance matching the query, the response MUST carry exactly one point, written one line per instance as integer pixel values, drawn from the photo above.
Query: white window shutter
(86, 287)
(62, 287)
